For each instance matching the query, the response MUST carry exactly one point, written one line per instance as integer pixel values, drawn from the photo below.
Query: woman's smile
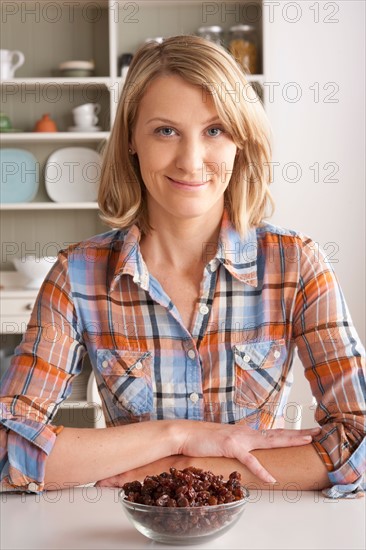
(191, 186)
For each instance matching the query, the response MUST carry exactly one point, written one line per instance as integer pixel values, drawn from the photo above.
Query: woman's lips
(189, 185)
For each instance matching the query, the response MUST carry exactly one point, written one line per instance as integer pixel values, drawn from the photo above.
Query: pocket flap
(257, 355)
(123, 362)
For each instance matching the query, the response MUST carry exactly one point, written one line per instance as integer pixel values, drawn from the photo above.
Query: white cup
(86, 115)
(85, 120)
(89, 108)
(7, 64)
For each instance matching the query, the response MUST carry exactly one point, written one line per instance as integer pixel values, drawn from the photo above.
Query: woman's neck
(181, 244)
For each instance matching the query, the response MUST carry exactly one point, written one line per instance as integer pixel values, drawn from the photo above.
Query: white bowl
(34, 269)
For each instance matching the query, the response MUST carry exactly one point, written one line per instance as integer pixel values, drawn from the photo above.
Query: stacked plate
(19, 175)
(72, 174)
(77, 68)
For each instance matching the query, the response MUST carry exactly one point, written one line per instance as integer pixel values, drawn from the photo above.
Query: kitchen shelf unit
(49, 206)
(48, 34)
(101, 30)
(46, 137)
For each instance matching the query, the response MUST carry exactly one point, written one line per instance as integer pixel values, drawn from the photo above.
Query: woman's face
(186, 157)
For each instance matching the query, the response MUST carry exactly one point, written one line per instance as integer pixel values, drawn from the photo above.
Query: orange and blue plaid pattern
(261, 298)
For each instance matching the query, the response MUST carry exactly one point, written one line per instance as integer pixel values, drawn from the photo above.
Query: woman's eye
(165, 131)
(213, 132)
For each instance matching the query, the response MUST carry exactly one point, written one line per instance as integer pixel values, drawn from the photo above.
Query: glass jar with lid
(214, 33)
(243, 45)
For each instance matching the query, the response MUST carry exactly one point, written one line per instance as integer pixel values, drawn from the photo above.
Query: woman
(191, 310)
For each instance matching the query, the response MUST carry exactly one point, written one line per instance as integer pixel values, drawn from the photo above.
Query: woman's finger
(113, 481)
(269, 439)
(304, 431)
(256, 468)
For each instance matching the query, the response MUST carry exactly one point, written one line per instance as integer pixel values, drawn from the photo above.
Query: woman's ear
(131, 148)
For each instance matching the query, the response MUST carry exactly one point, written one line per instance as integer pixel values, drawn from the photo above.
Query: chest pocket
(258, 370)
(127, 374)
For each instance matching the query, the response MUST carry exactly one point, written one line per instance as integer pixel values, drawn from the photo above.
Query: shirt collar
(130, 261)
(237, 255)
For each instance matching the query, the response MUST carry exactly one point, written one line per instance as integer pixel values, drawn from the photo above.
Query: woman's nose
(190, 157)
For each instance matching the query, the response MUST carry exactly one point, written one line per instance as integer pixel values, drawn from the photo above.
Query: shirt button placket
(192, 384)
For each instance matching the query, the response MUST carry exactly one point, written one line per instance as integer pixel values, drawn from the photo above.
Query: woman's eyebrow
(168, 121)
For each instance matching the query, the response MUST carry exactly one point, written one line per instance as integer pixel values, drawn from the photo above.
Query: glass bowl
(183, 526)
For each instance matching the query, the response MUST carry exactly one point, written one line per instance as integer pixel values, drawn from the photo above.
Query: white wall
(325, 47)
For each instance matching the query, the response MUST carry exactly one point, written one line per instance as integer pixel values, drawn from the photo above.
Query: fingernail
(307, 438)
(271, 479)
(315, 430)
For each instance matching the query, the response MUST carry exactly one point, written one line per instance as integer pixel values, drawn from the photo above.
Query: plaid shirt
(261, 297)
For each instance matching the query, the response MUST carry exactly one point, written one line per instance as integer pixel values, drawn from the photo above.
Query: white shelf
(49, 206)
(40, 137)
(80, 404)
(99, 81)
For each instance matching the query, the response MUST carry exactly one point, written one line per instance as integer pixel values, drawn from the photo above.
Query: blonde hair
(122, 197)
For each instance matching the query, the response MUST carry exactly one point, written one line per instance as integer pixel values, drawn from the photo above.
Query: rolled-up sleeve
(333, 358)
(38, 380)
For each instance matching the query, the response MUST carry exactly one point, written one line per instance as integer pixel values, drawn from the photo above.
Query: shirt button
(246, 358)
(276, 354)
(138, 365)
(32, 486)
(105, 364)
(204, 310)
(194, 397)
(191, 354)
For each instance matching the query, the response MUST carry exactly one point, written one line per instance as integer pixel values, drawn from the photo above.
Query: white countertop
(92, 518)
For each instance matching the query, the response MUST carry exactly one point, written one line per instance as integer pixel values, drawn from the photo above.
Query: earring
(131, 152)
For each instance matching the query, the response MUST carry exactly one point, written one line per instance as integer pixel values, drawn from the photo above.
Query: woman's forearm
(83, 455)
(300, 466)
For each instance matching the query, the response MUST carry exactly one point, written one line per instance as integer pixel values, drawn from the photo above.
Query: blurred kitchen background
(59, 95)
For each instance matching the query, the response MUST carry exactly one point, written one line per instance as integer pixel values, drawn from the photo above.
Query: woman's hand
(237, 440)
